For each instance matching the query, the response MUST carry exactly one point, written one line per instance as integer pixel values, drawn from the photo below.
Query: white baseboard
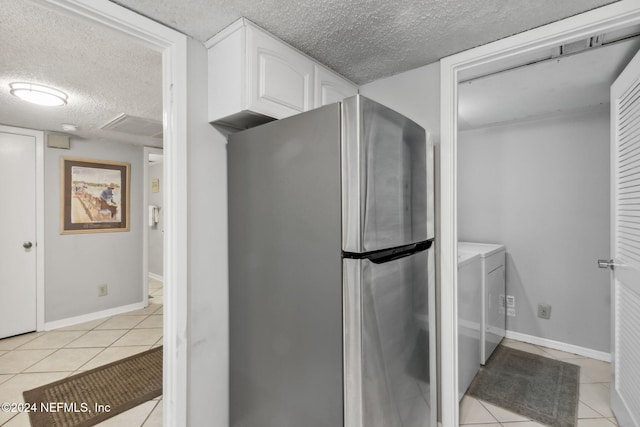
(63, 323)
(155, 276)
(557, 345)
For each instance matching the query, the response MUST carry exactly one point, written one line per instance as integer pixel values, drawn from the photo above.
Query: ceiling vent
(135, 126)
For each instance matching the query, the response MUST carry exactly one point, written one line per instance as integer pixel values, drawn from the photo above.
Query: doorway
(173, 46)
(153, 232)
(533, 175)
(497, 56)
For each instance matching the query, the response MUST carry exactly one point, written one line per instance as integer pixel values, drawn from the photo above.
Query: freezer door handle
(387, 255)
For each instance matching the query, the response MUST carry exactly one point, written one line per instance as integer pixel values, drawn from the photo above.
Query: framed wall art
(95, 196)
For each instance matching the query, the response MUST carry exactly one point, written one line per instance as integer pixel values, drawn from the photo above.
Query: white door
(17, 234)
(625, 247)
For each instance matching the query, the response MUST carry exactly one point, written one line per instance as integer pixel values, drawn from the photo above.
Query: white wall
(414, 93)
(542, 189)
(208, 381)
(76, 264)
(156, 232)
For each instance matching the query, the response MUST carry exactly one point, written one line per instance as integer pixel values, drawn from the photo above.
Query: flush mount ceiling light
(38, 94)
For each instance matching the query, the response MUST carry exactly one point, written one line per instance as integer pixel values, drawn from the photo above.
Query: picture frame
(95, 196)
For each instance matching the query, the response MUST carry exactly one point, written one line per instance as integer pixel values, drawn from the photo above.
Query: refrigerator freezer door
(384, 178)
(387, 342)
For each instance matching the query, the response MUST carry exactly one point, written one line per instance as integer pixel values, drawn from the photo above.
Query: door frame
(174, 48)
(606, 18)
(145, 220)
(39, 193)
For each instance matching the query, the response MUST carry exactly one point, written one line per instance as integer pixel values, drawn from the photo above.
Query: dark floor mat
(93, 396)
(542, 389)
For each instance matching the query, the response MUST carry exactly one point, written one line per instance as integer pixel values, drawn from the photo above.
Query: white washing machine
(493, 322)
(469, 318)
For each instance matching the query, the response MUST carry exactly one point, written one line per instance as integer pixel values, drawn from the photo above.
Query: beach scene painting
(95, 196)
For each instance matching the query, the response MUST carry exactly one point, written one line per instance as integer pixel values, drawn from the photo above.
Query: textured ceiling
(106, 74)
(365, 40)
(103, 72)
(560, 85)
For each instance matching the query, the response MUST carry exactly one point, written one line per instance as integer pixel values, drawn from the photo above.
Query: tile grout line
(149, 414)
(6, 422)
(594, 410)
(498, 421)
(26, 342)
(50, 354)
(35, 363)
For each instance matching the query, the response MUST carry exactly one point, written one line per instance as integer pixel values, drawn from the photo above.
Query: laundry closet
(533, 176)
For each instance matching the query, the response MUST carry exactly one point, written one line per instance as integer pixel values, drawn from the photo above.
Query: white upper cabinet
(280, 79)
(255, 78)
(330, 87)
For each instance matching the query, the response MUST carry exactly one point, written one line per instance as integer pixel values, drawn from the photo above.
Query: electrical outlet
(511, 301)
(511, 312)
(103, 290)
(544, 311)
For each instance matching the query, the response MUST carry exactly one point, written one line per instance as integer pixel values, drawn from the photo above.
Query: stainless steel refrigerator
(331, 271)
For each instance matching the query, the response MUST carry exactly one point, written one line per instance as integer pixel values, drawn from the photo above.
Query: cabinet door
(280, 78)
(330, 88)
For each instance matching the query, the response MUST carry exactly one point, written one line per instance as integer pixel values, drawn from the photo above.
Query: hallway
(31, 360)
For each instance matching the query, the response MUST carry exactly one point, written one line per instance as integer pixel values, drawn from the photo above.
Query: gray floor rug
(543, 389)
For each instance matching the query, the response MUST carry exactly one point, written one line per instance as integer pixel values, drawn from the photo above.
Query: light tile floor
(31, 360)
(593, 408)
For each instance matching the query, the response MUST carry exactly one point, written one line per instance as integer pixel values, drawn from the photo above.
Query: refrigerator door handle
(352, 341)
(386, 255)
(398, 253)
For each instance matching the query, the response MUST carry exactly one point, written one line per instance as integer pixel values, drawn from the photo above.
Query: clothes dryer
(493, 282)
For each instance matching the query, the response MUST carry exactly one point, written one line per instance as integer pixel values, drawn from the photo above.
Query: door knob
(27, 245)
(607, 263)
